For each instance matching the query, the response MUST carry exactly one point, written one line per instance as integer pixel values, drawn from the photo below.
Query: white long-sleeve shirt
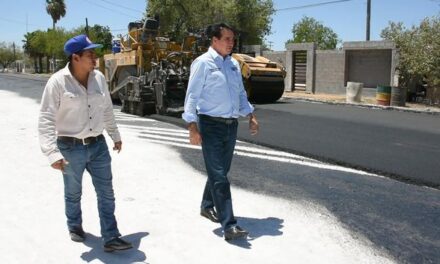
(69, 109)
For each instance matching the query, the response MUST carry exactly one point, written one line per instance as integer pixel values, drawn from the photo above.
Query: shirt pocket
(97, 101)
(235, 79)
(70, 100)
(214, 81)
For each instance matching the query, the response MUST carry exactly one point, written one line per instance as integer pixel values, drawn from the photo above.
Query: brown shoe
(210, 214)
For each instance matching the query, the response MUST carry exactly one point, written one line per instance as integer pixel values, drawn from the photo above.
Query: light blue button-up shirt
(215, 88)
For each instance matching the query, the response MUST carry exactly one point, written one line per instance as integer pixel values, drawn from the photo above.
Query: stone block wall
(329, 72)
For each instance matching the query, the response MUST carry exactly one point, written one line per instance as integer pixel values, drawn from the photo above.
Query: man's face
(225, 44)
(86, 60)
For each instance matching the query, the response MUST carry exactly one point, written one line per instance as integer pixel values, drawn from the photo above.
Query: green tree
(7, 55)
(35, 45)
(419, 49)
(98, 34)
(311, 30)
(252, 18)
(56, 9)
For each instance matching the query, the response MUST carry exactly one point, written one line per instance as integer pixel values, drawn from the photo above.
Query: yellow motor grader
(149, 73)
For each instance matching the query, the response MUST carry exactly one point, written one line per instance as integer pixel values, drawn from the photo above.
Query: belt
(82, 141)
(227, 121)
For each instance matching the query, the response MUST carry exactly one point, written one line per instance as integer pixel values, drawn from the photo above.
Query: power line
(121, 6)
(311, 5)
(115, 11)
(20, 22)
(17, 22)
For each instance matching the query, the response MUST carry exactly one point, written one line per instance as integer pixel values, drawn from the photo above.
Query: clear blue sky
(347, 19)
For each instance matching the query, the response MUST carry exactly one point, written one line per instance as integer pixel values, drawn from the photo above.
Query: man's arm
(195, 86)
(50, 102)
(109, 118)
(253, 124)
(194, 135)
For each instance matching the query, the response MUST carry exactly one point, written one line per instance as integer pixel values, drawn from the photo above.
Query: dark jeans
(96, 159)
(218, 143)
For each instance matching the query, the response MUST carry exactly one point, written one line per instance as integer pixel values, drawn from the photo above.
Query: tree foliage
(419, 49)
(7, 55)
(311, 30)
(56, 9)
(252, 18)
(43, 44)
(98, 34)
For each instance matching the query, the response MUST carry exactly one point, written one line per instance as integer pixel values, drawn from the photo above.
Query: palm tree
(56, 9)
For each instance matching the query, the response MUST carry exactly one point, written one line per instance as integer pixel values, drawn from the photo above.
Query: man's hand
(60, 164)
(253, 124)
(194, 135)
(118, 146)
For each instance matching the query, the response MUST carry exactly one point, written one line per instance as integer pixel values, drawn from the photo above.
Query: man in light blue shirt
(214, 100)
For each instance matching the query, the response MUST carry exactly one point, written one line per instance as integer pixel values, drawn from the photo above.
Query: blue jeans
(94, 158)
(218, 143)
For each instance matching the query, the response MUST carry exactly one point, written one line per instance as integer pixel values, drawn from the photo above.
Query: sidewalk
(365, 102)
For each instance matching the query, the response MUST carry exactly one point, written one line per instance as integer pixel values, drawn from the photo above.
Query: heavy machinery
(149, 73)
(263, 79)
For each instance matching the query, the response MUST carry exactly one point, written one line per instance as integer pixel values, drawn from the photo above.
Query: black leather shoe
(210, 214)
(116, 244)
(235, 232)
(77, 234)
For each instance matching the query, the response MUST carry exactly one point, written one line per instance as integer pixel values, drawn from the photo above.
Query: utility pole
(15, 58)
(368, 19)
(87, 27)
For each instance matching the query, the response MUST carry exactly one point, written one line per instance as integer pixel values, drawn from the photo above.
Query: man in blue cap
(75, 109)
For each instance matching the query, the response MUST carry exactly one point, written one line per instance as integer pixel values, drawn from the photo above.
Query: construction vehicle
(263, 79)
(149, 73)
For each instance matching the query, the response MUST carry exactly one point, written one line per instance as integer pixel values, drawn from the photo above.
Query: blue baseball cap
(79, 43)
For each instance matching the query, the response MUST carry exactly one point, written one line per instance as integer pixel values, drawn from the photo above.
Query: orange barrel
(398, 96)
(383, 95)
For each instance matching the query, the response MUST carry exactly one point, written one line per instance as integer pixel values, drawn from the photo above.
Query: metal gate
(299, 70)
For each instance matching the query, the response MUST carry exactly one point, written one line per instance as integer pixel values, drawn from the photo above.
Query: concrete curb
(371, 106)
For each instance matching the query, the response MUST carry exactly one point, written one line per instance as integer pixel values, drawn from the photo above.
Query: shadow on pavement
(270, 226)
(126, 256)
(399, 218)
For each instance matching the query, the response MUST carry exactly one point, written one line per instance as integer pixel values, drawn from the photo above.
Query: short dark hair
(215, 30)
(79, 53)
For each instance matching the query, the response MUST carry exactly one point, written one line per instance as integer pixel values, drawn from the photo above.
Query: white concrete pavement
(157, 198)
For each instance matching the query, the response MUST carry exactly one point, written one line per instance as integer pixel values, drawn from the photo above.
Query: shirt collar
(66, 71)
(214, 54)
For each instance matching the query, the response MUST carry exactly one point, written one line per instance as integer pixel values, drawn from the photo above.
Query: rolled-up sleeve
(195, 86)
